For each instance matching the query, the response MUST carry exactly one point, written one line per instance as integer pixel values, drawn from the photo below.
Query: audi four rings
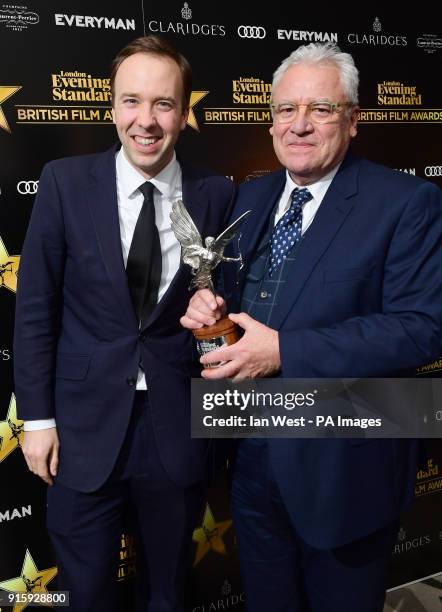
(251, 31)
(27, 187)
(433, 171)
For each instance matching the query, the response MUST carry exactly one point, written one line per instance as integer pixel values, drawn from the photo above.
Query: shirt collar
(317, 189)
(131, 179)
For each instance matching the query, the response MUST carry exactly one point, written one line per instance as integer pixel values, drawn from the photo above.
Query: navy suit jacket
(77, 344)
(363, 299)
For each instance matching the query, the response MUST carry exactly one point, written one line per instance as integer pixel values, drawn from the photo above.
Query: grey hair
(324, 53)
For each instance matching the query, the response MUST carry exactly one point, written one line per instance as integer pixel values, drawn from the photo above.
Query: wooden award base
(211, 337)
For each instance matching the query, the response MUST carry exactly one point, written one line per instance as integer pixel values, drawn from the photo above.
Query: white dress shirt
(310, 208)
(168, 189)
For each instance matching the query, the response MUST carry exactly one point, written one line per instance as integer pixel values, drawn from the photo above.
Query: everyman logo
(306, 36)
(87, 21)
(13, 513)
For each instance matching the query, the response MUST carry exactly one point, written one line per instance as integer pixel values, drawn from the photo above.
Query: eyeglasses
(317, 112)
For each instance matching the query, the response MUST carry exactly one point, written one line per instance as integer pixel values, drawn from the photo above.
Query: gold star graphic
(209, 536)
(31, 580)
(8, 268)
(5, 93)
(11, 431)
(195, 97)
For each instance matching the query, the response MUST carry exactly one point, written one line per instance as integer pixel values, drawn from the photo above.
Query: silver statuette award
(203, 258)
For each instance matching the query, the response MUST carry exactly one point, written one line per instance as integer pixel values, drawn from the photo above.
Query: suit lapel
(335, 207)
(196, 200)
(195, 197)
(257, 221)
(103, 204)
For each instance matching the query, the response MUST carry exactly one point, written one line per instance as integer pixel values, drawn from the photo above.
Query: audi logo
(433, 171)
(27, 187)
(251, 32)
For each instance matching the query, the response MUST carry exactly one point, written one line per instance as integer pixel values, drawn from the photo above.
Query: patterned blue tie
(287, 232)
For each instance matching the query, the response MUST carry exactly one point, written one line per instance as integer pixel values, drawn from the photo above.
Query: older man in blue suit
(102, 365)
(341, 279)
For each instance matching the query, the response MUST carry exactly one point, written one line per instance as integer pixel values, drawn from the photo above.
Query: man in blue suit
(102, 365)
(341, 279)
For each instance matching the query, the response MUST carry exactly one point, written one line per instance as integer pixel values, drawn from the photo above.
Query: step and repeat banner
(55, 102)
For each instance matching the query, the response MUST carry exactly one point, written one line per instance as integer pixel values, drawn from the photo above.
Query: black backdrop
(54, 101)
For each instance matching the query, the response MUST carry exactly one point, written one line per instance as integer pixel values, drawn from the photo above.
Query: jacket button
(131, 381)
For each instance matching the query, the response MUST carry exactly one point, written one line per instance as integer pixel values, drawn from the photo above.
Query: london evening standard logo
(392, 98)
(434, 366)
(251, 99)
(89, 21)
(79, 97)
(127, 557)
(17, 17)
(185, 27)
(429, 479)
(76, 97)
(377, 37)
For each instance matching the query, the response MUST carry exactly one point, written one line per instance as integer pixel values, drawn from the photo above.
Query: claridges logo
(186, 12)
(377, 27)
(251, 91)
(404, 545)
(392, 40)
(228, 600)
(185, 29)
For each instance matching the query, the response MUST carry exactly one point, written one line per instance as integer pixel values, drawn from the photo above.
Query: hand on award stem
(203, 309)
(255, 355)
